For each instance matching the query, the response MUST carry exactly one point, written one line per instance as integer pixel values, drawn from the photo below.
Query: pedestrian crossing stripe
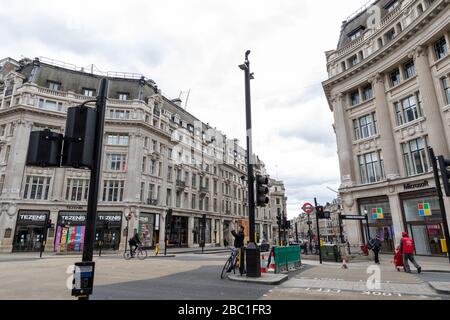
(425, 210)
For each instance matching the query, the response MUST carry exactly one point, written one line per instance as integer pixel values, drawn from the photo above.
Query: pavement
(193, 276)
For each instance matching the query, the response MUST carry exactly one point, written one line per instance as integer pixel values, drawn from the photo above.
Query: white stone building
(388, 88)
(156, 156)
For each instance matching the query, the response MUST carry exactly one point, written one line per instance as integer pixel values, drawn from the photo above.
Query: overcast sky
(198, 45)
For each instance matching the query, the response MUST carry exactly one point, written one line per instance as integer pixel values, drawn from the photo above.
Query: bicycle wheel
(142, 254)
(127, 255)
(227, 266)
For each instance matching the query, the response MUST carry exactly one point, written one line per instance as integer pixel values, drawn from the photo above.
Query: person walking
(375, 246)
(407, 248)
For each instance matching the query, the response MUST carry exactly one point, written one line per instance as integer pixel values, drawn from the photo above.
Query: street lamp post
(253, 251)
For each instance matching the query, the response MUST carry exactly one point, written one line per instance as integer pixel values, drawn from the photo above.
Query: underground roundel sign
(308, 208)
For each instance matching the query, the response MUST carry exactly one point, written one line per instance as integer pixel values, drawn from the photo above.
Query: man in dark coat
(375, 246)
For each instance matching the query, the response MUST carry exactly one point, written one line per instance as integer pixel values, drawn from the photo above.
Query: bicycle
(232, 263)
(139, 252)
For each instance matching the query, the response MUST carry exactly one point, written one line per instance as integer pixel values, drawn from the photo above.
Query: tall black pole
(440, 196)
(88, 248)
(253, 252)
(296, 232)
(318, 232)
(44, 239)
(310, 233)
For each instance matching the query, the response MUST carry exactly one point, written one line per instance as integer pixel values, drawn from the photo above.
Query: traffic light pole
(441, 198)
(253, 253)
(88, 248)
(318, 232)
(310, 233)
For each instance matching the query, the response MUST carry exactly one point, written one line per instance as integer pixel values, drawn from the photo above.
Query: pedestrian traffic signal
(262, 190)
(444, 165)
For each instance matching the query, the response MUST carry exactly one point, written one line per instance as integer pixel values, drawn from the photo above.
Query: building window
(371, 167)
(410, 70)
(406, 110)
(123, 96)
(445, 83)
(117, 162)
(118, 139)
(7, 152)
(169, 198)
(50, 105)
(415, 157)
(186, 200)
(368, 92)
(353, 60)
(169, 173)
(178, 199)
(88, 92)
(194, 181)
(52, 85)
(354, 98)
(152, 167)
(77, 190)
(113, 190)
(119, 114)
(390, 35)
(365, 127)
(37, 188)
(2, 130)
(391, 6)
(395, 78)
(2, 182)
(356, 34)
(441, 48)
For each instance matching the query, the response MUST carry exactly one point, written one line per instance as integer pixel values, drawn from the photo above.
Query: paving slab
(266, 278)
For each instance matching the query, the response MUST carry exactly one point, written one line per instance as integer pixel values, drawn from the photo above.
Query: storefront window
(424, 222)
(70, 232)
(30, 231)
(380, 222)
(146, 229)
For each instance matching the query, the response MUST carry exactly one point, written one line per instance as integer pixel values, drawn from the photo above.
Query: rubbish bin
(330, 252)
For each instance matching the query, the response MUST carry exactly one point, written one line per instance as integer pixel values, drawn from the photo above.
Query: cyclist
(238, 243)
(134, 243)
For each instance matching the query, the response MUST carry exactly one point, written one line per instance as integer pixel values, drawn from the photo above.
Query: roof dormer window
(356, 33)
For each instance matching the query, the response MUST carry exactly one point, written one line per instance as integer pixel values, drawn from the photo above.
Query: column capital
(337, 98)
(377, 78)
(417, 52)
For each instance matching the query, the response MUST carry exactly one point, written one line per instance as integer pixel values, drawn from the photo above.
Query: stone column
(190, 233)
(221, 232)
(58, 184)
(431, 108)
(16, 161)
(162, 231)
(384, 124)
(134, 161)
(397, 220)
(344, 144)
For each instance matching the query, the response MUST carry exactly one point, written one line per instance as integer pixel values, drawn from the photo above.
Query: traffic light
(44, 149)
(262, 190)
(288, 224)
(279, 220)
(204, 221)
(169, 218)
(284, 222)
(445, 172)
(319, 212)
(79, 140)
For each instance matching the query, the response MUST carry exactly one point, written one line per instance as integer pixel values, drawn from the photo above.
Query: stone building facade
(156, 156)
(388, 89)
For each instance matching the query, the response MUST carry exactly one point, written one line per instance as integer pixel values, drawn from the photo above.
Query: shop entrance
(30, 231)
(423, 219)
(108, 227)
(178, 235)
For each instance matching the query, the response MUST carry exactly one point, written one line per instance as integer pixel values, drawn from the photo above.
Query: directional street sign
(353, 217)
(308, 208)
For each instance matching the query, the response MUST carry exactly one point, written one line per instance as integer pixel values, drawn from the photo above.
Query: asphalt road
(203, 283)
